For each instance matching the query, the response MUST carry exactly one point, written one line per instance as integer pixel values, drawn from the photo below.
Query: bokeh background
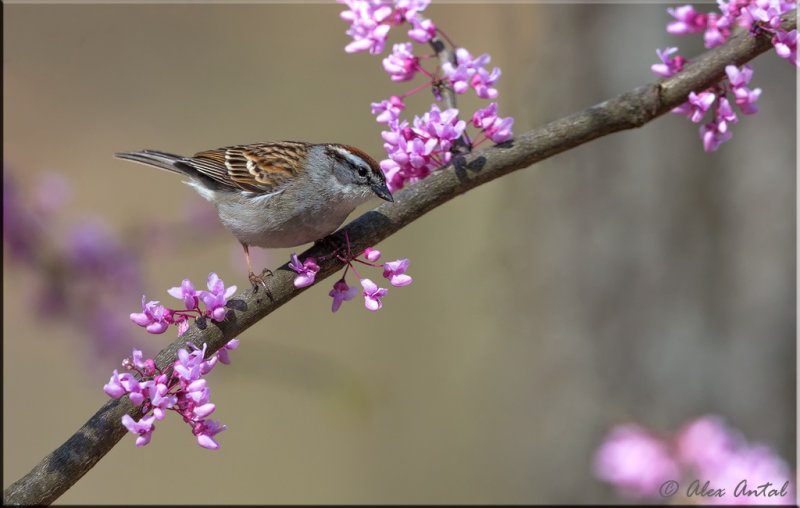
(633, 279)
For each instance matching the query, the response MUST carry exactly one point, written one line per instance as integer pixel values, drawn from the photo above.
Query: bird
(278, 193)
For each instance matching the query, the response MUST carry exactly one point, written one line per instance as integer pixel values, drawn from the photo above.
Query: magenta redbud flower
(745, 98)
(372, 254)
(485, 118)
(500, 130)
(160, 399)
(739, 78)
(372, 295)
(669, 65)
(307, 271)
(388, 110)
(717, 31)
(687, 20)
(341, 292)
(786, 45)
(205, 432)
(461, 73)
(144, 428)
(482, 82)
(367, 27)
(216, 297)
(155, 318)
(423, 31)
(222, 353)
(147, 366)
(713, 136)
(115, 388)
(725, 115)
(395, 272)
(189, 366)
(635, 461)
(401, 64)
(186, 293)
(697, 105)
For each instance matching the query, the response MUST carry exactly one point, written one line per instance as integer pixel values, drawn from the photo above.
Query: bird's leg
(255, 280)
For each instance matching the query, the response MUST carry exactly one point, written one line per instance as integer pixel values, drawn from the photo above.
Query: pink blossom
(116, 386)
(144, 428)
(415, 151)
(367, 27)
(669, 65)
(372, 254)
(495, 128)
(423, 30)
(222, 353)
(205, 432)
(185, 292)
(786, 45)
(485, 118)
(216, 297)
(723, 457)
(460, 75)
(307, 271)
(717, 31)
(388, 111)
(372, 294)
(737, 77)
(401, 64)
(341, 292)
(706, 443)
(189, 366)
(395, 272)
(180, 388)
(745, 97)
(696, 106)
(482, 82)
(634, 461)
(688, 21)
(725, 115)
(160, 400)
(712, 136)
(154, 317)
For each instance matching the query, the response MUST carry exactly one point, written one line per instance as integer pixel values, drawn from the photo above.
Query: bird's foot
(258, 280)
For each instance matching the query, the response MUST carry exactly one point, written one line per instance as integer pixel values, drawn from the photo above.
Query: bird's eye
(362, 171)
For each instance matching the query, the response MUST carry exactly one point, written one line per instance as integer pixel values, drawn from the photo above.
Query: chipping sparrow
(277, 194)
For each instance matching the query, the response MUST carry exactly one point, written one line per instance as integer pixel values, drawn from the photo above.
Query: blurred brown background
(636, 278)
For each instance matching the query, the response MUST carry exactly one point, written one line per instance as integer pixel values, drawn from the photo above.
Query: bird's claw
(257, 280)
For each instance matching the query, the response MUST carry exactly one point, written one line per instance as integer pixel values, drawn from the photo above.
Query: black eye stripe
(362, 170)
(374, 172)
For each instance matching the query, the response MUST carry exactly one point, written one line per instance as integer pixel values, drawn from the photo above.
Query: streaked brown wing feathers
(260, 167)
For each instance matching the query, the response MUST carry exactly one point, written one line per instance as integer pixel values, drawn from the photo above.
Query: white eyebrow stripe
(353, 158)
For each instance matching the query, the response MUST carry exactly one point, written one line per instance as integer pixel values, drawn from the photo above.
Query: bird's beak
(382, 191)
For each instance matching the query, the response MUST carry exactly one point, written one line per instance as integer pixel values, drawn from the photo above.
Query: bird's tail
(161, 160)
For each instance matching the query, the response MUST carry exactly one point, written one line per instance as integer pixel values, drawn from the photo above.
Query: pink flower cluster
(760, 16)
(181, 388)
(638, 462)
(371, 20)
(157, 318)
(416, 151)
(394, 271)
(715, 132)
(757, 15)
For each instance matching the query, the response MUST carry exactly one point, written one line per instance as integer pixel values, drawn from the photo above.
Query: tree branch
(62, 468)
